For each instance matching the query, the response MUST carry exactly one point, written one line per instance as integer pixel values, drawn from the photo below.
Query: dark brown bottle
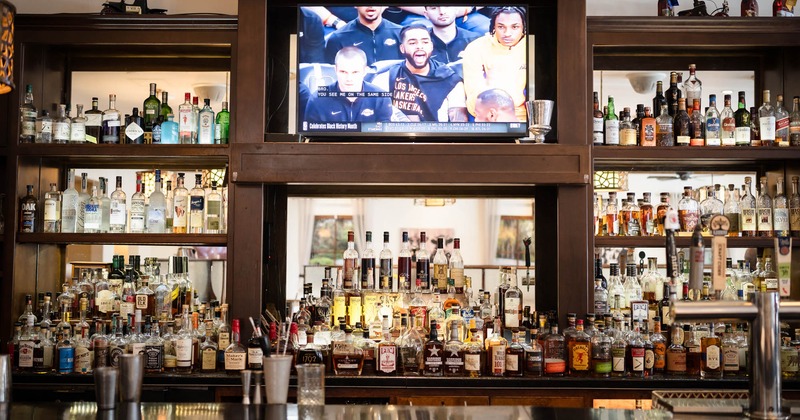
(434, 354)
(682, 126)
(673, 94)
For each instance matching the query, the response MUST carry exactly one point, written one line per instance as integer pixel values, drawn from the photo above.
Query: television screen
(412, 70)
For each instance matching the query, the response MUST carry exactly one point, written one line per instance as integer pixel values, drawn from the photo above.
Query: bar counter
(213, 411)
(401, 390)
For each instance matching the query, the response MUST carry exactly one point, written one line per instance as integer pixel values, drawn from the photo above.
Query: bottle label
(597, 127)
(61, 131)
(343, 348)
(781, 220)
(94, 120)
(637, 357)
(627, 137)
(676, 362)
(183, 352)
(580, 356)
(789, 359)
(457, 274)
(28, 128)
(137, 348)
(512, 305)
(387, 359)
(433, 358)
(600, 306)
(648, 134)
(141, 302)
(728, 134)
(554, 365)
(742, 136)
(209, 359)
(712, 357)
(764, 220)
(512, 363)
(612, 132)
(179, 215)
(730, 357)
(105, 301)
(44, 126)
(235, 360)
(26, 354)
(498, 355)
(254, 355)
(472, 362)
(684, 140)
(224, 340)
(749, 219)
(659, 356)
(100, 355)
(113, 356)
(66, 359)
(618, 360)
(125, 309)
(767, 128)
(339, 308)
(794, 219)
(117, 214)
(206, 133)
(51, 211)
(602, 366)
(133, 131)
(153, 357)
(649, 359)
(83, 360)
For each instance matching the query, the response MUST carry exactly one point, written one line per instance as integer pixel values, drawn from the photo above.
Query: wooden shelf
(410, 164)
(694, 32)
(189, 156)
(629, 158)
(123, 239)
(681, 241)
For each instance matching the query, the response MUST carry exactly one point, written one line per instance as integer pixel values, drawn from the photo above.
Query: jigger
(246, 379)
(257, 383)
(540, 111)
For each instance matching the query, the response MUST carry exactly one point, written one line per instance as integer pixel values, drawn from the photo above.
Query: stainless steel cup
(5, 379)
(131, 373)
(105, 387)
(276, 378)
(257, 387)
(246, 379)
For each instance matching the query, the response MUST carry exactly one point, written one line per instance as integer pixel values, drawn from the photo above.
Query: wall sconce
(611, 180)
(7, 14)
(434, 202)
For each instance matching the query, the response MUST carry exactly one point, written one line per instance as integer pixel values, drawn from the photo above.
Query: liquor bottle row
(748, 8)
(676, 119)
(749, 216)
(202, 209)
(154, 125)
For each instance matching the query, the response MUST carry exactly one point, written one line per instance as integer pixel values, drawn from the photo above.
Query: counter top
(211, 411)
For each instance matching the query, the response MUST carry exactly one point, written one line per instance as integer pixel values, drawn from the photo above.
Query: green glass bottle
(152, 110)
(223, 123)
(166, 110)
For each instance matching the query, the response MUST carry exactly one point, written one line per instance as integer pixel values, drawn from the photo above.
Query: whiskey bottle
(647, 129)
(742, 119)
(601, 355)
(154, 349)
(474, 355)
(580, 351)
(698, 125)
(665, 134)
(28, 212)
(711, 362)
(794, 208)
(512, 305)
(235, 353)
(347, 359)
(454, 352)
(410, 345)
(434, 354)
(682, 125)
(627, 131)
(694, 351)
(673, 93)
(748, 209)
(618, 350)
(612, 214)
(533, 355)
(515, 356)
(496, 350)
(659, 347)
(183, 344)
(208, 350)
(369, 350)
(781, 123)
(794, 122)
(764, 210)
(65, 352)
(555, 352)
(647, 216)
(766, 121)
(597, 121)
(423, 265)
(99, 345)
(635, 354)
(367, 269)
(387, 355)
(780, 211)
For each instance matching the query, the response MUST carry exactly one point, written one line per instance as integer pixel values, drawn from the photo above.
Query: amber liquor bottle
(579, 347)
(434, 354)
(515, 356)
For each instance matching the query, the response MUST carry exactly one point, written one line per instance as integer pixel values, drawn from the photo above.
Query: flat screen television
(427, 71)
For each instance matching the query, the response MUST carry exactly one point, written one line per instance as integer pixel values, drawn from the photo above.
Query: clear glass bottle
(682, 125)
(440, 265)
(69, 207)
(197, 206)
(766, 121)
(512, 303)
(710, 207)
(111, 122)
(748, 207)
(630, 217)
(732, 211)
(195, 118)
(205, 124)
(214, 210)
(29, 212)
(44, 128)
(118, 216)
(404, 274)
(713, 122)
(157, 210)
(727, 124)
(180, 206)
(665, 136)
(77, 131)
(27, 117)
(138, 217)
(61, 126)
(633, 290)
(627, 131)
(105, 206)
(781, 123)
(185, 120)
(83, 198)
(52, 210)
(93, 213)
(780, 211)
(692, 86)
(688, 211)
(423, 281)
(764, 210)
(612, 215)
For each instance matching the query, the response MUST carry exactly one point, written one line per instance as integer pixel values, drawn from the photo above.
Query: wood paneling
(245, 274)
(249, 100)
(442, 400)
(541, 401)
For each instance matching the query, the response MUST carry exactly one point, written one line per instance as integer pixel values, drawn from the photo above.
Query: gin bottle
(118, 214)
(77, 132)
(222, 126)
(105, 206)
(27, 117)
(197, 206)
(152, 110)
(165, 109)
(111, 122)
(52, 210)
(214, 210)
(185, 120)
(137, 223)
(205, 124)
(94, 123)
(44, 128)
(61, 126)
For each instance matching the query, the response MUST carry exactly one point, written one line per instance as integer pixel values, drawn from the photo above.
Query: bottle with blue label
(65, 352)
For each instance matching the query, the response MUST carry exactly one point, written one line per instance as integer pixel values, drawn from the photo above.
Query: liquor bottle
(781, 123)
(555, 352)
(630, 217)
(77, 127)
(673, 94)
(710, 207)
(659, 347)
(185, 120)
(694, 351)
(213, 222)
(711, 366)
(647, 130)
(600, 297)
(111, 122)
(794, 208)
(732, 211)
(222, 126)
(195, 118)
(197, 206)
(423, 265)
(454, 354)
(436, 316)
(235, 353)
(635, 354)
(152, 110)
(138, 217)
(83, 198)
(94, 123)
(164, 110)
(118, 218)
(742, 118)
(618, 350)
(728, 124)
(515, 355)
(647, 216)
(730, 352)
(598, 275)
(682, 125)
(749, 8)
(597, 121)
(496, 351)
(183, 343)
(61, 126)
(633, 290)
(748, 210)
(27, 117)
(780, 211)
(386, 262)
(794, 122)
(367, 269)
(627, 131)
(99, 345)
(688, 210)
(92, 213)
(169, 212)
(65, 351)
(612, 215)
(601, 355)
(410, 346)
(205, 121)
(348, 360)
(512, 303)
(440, 266)
(180, 206)
(434, 354)
(208, 350)
(764, 210)
(664, 128)
(767, 278)
(52, 210)
(134, 133)
(755, 128)
(105, 206)
(579, 347)
(713, 122)
(659, 99)
(44, 128)
(154, 350)
(28, 212)
(698, 122)
(693, 87)
(611, 124)
(404, 280)
(766, 121)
